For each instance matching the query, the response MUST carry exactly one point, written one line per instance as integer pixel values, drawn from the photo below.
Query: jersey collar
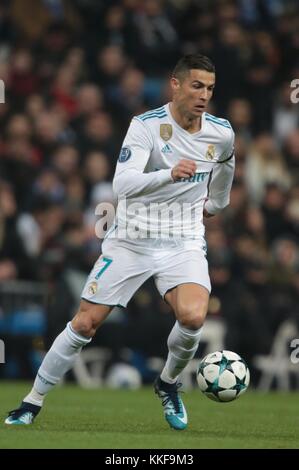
(193, 135)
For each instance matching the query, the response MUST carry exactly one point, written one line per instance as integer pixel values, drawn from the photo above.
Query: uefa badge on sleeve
(124, 154)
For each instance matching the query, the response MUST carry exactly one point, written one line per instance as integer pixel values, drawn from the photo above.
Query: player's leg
(190, 304)
(183, 281)
(115, 277)
(66, 347)
(60, 358)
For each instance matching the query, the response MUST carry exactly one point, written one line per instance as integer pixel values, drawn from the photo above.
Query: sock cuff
(189, 332)
(76, 337)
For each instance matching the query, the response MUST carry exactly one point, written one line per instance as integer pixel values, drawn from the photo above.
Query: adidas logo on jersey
(166, 149)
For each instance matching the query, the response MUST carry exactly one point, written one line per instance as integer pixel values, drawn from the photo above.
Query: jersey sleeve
(229, 149)
(221, 180)
(130, 179)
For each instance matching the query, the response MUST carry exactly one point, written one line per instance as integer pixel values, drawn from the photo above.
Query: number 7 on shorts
(107, 262)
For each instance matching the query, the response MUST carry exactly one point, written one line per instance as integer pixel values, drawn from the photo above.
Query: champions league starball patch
(124, 155)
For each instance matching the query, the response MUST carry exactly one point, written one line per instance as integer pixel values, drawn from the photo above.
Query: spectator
(273, 207)
(14, 261)
(285, 115)
(265, 165)
(156, 38)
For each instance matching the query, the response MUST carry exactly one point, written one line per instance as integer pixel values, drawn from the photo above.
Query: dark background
(75, 73)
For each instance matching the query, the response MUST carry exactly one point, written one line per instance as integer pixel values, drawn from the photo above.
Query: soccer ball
(123, 376)
(223, 376)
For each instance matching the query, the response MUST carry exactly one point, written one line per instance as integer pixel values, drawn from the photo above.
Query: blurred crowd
(75, 73)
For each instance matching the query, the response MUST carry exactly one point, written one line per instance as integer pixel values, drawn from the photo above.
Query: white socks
(34, 398)
(182, 345)
(59, 359)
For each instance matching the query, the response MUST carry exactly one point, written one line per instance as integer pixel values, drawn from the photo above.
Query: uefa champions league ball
(223, 376)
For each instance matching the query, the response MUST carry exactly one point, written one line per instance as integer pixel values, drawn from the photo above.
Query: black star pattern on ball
(226, 364)
(213, 387)
(240, 385)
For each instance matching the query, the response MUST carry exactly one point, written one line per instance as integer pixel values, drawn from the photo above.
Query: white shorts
(125, 265)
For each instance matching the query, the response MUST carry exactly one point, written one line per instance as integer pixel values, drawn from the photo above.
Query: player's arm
(220, 184)
(130, 179)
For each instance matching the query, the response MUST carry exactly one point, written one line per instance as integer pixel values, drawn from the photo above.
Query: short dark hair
(192, 61)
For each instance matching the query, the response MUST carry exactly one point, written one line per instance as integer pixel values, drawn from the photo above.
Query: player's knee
(84, 326)
(192, 322)
(83, 323)
(191, 317)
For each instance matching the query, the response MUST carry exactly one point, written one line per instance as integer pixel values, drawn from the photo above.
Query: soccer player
(179, 159)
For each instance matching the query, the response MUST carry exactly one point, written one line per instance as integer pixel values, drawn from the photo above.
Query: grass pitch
(123, 419)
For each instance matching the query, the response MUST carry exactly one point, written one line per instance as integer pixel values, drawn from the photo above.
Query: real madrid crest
(92, 288)
(210, 153)
(165, 131)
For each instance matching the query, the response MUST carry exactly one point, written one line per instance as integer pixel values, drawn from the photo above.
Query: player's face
(193, 93)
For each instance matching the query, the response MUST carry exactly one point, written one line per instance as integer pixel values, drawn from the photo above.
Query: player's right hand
(184, 169)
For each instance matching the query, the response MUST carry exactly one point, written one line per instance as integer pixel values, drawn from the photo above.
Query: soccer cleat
(174, 410)
(23, 415)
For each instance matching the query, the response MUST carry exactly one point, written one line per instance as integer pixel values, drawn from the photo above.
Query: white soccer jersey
(149, 201)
